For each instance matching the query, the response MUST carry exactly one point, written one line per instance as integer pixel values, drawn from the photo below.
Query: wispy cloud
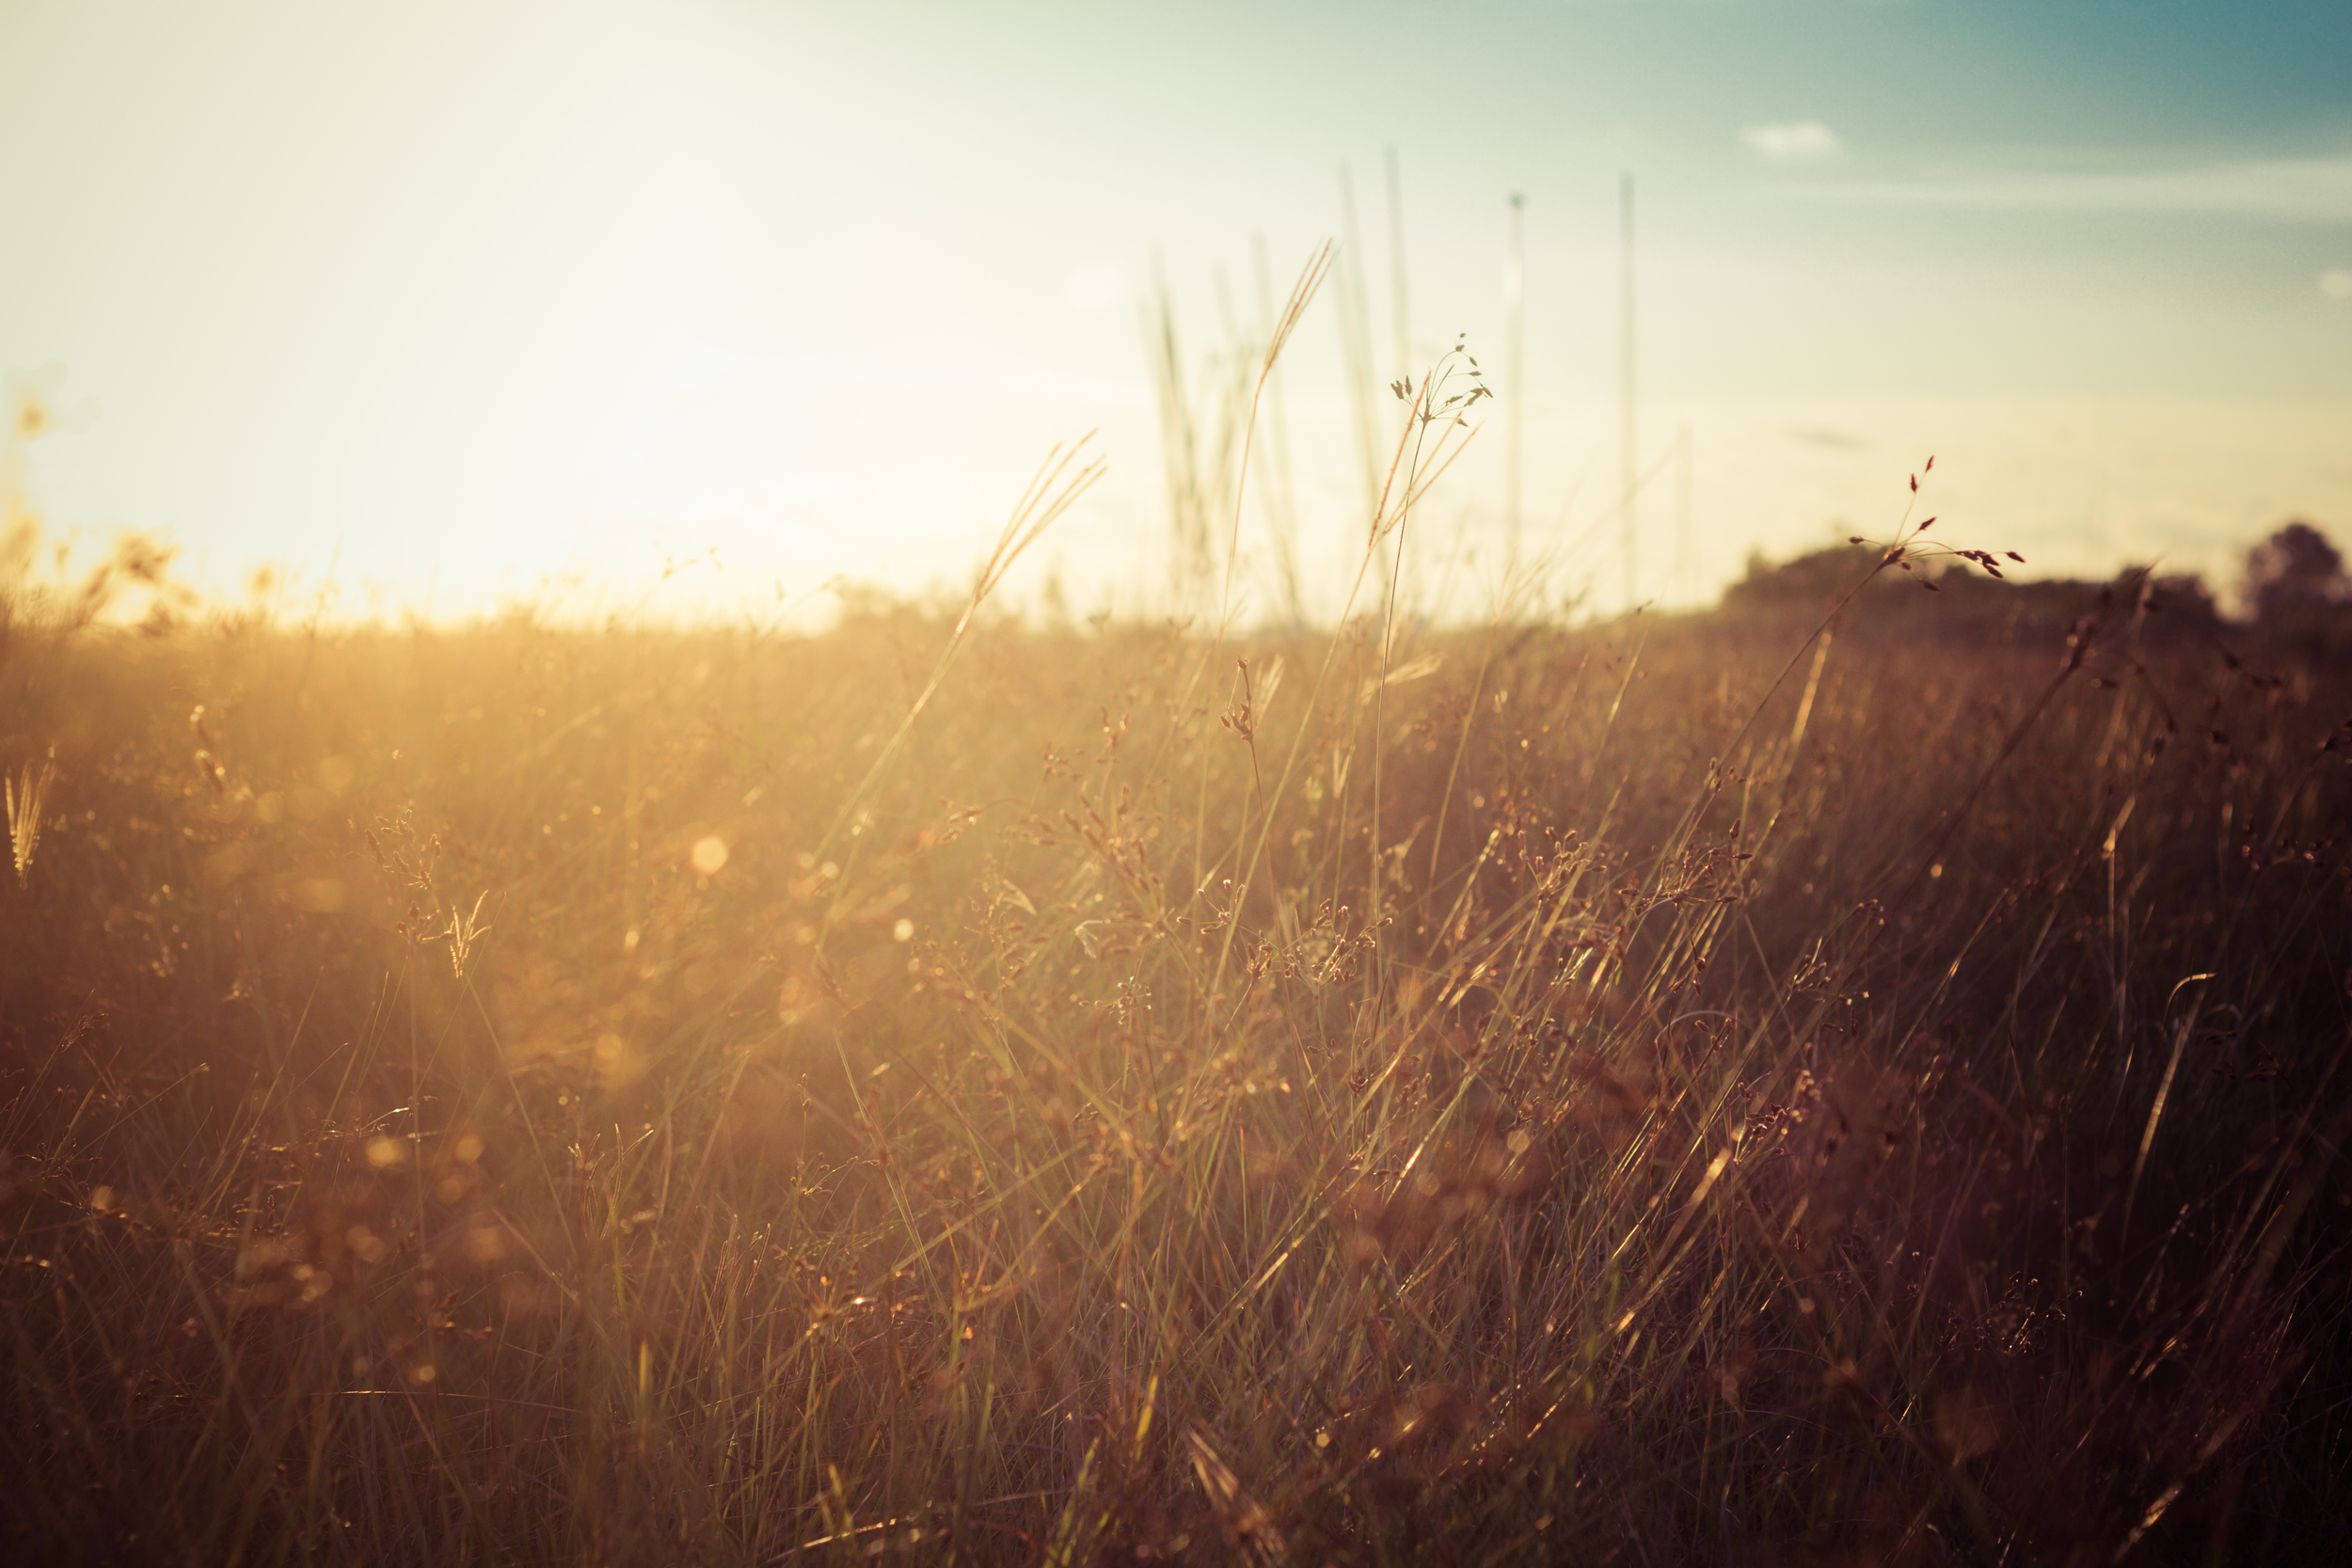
(1834, 441)
(1793, 140)
(2307, 190)
(2336, 282)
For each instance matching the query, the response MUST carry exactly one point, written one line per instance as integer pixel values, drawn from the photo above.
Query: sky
(708, 304)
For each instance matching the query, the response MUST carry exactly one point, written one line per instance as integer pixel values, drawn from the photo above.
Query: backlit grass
(622, 1096)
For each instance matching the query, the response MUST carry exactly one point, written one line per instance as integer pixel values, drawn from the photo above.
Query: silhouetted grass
(520, 1094)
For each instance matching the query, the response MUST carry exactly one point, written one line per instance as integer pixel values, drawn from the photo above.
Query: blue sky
(461, 298)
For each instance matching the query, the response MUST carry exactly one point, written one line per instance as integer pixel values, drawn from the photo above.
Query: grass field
(1695, 1089)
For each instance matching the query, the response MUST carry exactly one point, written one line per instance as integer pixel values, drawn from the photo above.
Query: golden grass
(27, 797)
(618, 1096)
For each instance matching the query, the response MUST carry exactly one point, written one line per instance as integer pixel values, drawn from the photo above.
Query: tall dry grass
(522, 1094)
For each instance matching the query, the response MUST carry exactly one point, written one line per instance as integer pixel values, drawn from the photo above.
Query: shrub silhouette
(2297, 568)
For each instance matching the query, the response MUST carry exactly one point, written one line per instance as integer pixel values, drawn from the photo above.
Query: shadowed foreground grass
(508, 1096)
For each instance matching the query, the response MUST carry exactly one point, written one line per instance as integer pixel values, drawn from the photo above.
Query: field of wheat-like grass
(1680, 1090)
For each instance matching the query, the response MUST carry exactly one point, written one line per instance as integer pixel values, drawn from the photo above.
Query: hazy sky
(452, 299)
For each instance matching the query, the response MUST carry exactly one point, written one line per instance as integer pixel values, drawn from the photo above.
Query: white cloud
(2336, 282)
(1792, 141)
(2311, 190)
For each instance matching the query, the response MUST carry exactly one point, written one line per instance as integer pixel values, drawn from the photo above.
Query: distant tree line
(2293, 586)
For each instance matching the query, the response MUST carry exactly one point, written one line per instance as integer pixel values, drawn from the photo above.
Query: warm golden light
(656, 309)
(1536, 782)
